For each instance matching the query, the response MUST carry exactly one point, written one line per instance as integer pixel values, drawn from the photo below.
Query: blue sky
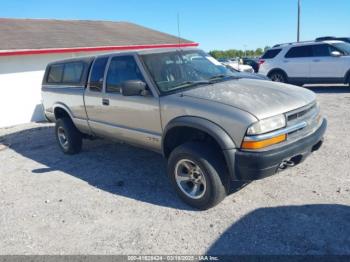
(215, 24)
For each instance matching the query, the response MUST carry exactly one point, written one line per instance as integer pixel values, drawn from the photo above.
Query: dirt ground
(116, 199)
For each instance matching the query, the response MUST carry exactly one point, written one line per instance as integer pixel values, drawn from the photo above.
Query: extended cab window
(55, 73)
(97, 74)
(272, 53)
(121, 69)
(299, 51)
(72, 73)
(66, 73)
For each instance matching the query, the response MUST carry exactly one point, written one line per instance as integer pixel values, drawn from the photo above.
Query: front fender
(225, 142)
(205, 125)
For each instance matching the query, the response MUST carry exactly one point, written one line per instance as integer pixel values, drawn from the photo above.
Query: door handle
(105, 102)
(316, 60)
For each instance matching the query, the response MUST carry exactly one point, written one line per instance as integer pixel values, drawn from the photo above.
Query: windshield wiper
(221, 76)
(191, 83)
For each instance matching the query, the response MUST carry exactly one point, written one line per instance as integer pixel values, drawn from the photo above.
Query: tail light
(261, 61)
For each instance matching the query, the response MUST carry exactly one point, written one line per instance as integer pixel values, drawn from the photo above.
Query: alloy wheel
(62, 137)
(190, 179)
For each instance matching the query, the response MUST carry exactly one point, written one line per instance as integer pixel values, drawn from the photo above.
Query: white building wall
(20, 86)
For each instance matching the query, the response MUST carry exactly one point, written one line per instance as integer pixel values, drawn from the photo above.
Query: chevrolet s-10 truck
(213, 127)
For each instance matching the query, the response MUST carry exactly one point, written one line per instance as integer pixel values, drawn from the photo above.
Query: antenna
(178, 29)
(298, 27)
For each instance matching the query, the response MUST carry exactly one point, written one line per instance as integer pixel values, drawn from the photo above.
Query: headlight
(267, 125)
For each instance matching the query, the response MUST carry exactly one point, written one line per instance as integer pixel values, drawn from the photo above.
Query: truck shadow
(293, 230)
(116, 168)
(336, 89)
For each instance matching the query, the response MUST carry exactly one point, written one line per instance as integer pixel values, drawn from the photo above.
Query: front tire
(68, 136)
(198, 175)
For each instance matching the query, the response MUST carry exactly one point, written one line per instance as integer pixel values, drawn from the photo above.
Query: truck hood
(260, 98)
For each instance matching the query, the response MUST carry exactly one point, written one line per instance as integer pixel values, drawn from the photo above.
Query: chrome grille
(301, 113)
(308, 115)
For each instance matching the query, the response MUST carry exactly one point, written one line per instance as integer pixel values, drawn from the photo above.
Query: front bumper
(256, 165)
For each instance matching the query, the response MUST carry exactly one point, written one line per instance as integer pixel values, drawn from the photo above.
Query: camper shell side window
(67, 73)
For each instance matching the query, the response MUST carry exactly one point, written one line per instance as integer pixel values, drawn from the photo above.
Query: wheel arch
(60, 110)
(277, 69)
(224, 142)
(220, 136)
(347, 77)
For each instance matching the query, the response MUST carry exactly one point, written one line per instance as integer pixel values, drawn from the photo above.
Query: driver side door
(134, 119)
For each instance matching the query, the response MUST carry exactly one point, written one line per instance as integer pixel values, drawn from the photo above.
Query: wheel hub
(62, 137)
(190, 179)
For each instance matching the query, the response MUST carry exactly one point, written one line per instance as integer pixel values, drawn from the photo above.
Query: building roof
(22, 35)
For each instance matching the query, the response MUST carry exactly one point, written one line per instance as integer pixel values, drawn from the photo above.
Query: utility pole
(298, 33)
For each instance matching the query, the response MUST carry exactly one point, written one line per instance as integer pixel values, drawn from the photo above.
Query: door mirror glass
(335, 53)
(122, 69)
(133, 88)
(96, 86)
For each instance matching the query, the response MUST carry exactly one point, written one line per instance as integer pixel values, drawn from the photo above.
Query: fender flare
(205, 125)
(64, 107)
(225, 142)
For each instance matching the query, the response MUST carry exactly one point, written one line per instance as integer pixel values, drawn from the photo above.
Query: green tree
(266, 48)
(259, 52)
(234, 53)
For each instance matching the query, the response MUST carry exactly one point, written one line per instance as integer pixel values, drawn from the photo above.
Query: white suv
(314, 62)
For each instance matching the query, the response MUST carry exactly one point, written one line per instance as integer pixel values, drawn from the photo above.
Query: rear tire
(68, 136)
(278, 76)
(198, 175)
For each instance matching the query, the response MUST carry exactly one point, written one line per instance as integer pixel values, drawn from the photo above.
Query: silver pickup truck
(213, 127)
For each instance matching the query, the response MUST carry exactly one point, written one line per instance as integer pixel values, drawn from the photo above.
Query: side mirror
(336, 54)
(133, 88)
(96, 86)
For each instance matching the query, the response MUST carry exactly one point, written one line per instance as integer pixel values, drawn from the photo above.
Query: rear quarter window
(72, 73)
(272, 53)
(55, 74)
(66, 73)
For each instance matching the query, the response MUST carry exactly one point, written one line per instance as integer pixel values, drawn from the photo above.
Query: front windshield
(183, 69)
(344, 47)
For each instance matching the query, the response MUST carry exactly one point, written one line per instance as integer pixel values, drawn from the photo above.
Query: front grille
(300, 114)
(308, 115)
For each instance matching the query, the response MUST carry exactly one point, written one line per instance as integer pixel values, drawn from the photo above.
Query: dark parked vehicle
(253, 62)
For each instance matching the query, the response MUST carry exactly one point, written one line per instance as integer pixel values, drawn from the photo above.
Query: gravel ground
(116, 199)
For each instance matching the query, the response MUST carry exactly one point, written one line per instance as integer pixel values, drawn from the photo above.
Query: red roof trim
(90, 49)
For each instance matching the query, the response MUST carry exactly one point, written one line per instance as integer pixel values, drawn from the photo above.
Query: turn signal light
(263, 143)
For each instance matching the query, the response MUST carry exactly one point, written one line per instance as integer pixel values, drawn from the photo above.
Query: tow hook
(293, 161)
(286, 163)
